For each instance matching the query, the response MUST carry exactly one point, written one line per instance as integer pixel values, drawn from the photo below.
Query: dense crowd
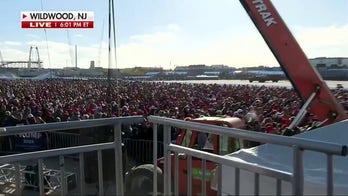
(266, 109)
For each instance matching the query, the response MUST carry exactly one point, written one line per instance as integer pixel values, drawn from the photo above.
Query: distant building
(141, 71)
(201, 69)
(92, 65)
(331, 68)
(152, 73)
(330, 62)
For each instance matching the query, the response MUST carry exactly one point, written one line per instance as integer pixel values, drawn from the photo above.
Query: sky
(170, 33)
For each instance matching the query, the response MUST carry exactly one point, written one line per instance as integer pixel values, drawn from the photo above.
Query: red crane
(304, 77)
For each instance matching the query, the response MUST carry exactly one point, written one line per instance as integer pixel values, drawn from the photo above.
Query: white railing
(297, 144)
(12, 169)
(15, 160)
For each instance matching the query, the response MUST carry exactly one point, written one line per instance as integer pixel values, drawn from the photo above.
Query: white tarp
(281, 158)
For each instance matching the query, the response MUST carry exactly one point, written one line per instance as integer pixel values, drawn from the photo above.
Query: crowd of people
(266, 109)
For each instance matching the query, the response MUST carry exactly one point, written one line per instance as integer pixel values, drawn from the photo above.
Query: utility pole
(75, 56)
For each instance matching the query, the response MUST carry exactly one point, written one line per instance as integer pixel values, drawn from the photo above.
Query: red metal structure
(217, 144)
(303, 76)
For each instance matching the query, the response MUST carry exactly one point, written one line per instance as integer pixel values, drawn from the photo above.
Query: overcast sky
(169, 33)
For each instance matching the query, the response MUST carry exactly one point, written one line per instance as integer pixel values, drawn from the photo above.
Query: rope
(48, 51)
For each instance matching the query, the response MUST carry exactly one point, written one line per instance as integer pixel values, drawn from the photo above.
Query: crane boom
(304, 77)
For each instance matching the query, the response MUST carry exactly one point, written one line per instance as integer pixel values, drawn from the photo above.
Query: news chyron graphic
(61, 19)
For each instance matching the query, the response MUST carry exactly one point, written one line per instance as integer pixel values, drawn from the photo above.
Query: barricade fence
(140, 151)
(296, 178)
(62, 139)
(105, 157)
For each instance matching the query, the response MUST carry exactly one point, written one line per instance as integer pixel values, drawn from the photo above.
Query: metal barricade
(60, 175)
(296, 178)
(140, 151)
(62, 139)
(11, 166)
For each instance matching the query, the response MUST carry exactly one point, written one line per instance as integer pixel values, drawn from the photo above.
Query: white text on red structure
(264, 13)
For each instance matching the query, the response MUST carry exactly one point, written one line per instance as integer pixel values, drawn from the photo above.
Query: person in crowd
(58, 100)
